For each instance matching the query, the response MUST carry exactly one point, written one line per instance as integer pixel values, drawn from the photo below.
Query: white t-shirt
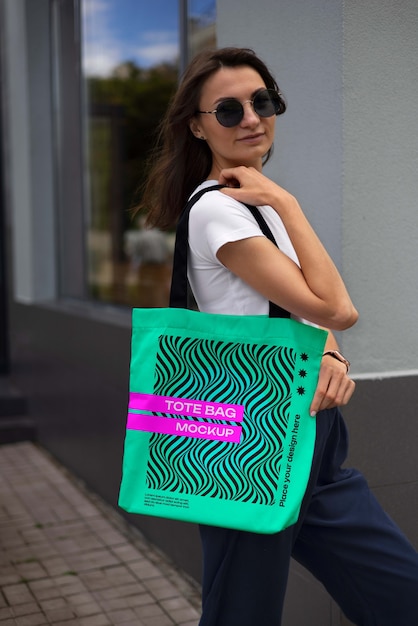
(215, 220)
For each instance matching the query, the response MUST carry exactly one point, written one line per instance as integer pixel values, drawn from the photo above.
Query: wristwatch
(337, 355)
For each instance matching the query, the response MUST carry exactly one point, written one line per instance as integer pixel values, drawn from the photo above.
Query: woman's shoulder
(209, 190)
(214, 205)
(216, 219)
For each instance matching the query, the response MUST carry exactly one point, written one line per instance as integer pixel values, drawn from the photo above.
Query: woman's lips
(252, 138)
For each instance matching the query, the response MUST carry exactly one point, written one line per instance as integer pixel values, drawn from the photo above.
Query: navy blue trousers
(343, 537)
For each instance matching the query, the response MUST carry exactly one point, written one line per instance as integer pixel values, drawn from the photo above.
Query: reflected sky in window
(116, 31)
(203, 10)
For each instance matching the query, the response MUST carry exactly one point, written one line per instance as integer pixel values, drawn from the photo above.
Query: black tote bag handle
(179, 282)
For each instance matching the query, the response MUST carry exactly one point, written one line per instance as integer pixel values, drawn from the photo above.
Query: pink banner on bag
(184, 428)
(186, 407)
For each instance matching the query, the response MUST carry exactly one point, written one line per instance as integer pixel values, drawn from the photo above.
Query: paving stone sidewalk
(66, 558)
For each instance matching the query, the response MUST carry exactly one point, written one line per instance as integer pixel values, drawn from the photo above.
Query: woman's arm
(315, 291)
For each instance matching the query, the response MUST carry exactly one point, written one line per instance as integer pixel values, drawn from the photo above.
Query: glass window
(130, 54)
(201, 25)
(130, 65)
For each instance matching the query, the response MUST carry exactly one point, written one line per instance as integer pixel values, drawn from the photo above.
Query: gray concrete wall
(380, 212)
(28, 149)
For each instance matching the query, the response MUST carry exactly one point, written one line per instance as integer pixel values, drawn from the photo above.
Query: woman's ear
(195, 128)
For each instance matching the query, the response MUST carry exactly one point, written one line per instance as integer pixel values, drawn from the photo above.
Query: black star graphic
(304, 356)
(303, 373)
(301, 391)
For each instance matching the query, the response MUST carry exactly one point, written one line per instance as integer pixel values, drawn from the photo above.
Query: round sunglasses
(230, 112)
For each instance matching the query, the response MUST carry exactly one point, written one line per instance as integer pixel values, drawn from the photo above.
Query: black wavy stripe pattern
(258, 376)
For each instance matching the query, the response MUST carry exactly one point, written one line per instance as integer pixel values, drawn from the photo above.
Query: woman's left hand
(334, 388)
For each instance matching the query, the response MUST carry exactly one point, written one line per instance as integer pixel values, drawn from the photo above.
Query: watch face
(341, 358)
(337, 355)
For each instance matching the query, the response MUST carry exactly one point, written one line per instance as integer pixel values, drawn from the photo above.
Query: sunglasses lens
(229, 113)
(267, 103)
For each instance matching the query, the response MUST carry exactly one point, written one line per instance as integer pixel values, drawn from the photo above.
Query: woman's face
(246, 143)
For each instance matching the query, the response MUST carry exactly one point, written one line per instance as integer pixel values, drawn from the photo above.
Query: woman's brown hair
(182, 162)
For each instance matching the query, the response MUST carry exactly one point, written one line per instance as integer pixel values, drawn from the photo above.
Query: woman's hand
(248, 185)
(335, 387)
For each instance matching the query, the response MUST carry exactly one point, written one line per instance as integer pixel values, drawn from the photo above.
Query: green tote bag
(218, 429)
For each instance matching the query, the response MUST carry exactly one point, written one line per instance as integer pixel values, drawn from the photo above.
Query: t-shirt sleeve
(215, 220)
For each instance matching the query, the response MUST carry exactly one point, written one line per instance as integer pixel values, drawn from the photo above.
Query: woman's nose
(250, 116)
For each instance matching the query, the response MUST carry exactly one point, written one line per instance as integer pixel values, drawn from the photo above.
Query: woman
(219, 130)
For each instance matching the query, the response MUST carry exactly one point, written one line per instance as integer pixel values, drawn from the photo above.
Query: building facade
(83, 86)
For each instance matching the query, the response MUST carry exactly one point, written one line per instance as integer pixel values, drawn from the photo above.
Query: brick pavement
(66, 558)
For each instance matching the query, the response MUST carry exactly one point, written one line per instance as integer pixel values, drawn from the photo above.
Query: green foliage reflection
(124, 112)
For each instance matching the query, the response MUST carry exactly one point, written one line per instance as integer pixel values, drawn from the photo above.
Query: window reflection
(130, 55)
(202, 25)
